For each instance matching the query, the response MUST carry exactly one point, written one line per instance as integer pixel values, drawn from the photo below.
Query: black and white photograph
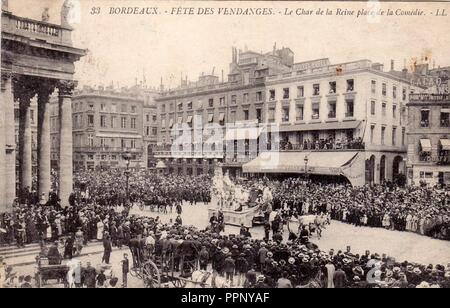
(224, 145)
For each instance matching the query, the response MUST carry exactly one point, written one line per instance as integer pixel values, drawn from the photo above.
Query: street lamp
(306, 160)
(127, 157)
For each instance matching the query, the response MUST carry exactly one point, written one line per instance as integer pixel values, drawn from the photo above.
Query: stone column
(44, 171)
(65, 141)
(24, 91)
(25, 149)
(3, 102)
(10, 139)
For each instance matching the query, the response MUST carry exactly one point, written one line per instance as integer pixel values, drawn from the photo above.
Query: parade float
(237, 203)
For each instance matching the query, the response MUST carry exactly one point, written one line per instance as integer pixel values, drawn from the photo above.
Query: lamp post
(127, 157)
(306, 160)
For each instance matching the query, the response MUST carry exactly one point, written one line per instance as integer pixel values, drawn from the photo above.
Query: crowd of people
(415, 209)
(110, 188)
(99, 211)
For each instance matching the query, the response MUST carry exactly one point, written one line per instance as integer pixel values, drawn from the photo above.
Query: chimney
(392, 65)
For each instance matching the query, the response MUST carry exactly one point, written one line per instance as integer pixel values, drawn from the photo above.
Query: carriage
(46, 272)
(157, 271)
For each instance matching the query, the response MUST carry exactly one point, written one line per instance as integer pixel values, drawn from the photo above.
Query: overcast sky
(121, 48)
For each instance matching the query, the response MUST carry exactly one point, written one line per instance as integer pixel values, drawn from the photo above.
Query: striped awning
(426, 145)
(445, 144)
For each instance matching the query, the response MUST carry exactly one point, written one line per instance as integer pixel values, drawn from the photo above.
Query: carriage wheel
(136, 272)
(178, 283)
(151, 275)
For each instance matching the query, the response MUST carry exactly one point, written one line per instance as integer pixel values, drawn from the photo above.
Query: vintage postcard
(224, 144)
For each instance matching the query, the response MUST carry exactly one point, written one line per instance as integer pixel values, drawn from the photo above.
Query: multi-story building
(344, 120)
(150, 126)
(212, 103)
(429, 139)
(107, 123)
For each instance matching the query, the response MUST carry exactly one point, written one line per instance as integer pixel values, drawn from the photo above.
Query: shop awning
(426, 145)
(445, 144)
(327, 163)
(320, 126)
(118, 135)
(243, 133)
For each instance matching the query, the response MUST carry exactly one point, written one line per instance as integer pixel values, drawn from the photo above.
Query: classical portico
(37, 60)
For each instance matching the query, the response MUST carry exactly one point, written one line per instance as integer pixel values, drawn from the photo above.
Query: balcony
(34, 29)
(106, 149)
(445, 123)
(424, 123)
(323, 145)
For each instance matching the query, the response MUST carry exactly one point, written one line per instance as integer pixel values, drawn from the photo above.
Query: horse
(206, 279)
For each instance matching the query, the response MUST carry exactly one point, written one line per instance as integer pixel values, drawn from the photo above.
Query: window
(91, 107)
(394, 111)
(374, 87)
(316, 89)
(315, 111)
(445, 117)
(384, 89)
(103, 142)
(123, 143)
(222, 101)
(372, 107)
(154, 118)
(332, 110)
(404, 94)
(259, 115)
(233, 116)
(372, 133)
(383, 134)
(180, 107)
(285, 114)
(403, 136)
(154, 131)
(171, 107)
(211, 102)
(113, 122)
(133, 123)
(350, 85)
(299, 113)
(189, 105)
(300, 91)
(102, 107)
(272, 95)
(424, 118)
(123, 108)
(271, 115)
(383, 107)
(91, 140)
(114, 108)
(245, 98)
(259, 97)
(350, 106)
(90, 120)
(246, 115)
(394, 136)
(332, 87)
(133, 144)
(103, 121)
(233, 99)
(210, 118)
(123, 122)
(163, 108)
(286, 93)
(394, 92)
